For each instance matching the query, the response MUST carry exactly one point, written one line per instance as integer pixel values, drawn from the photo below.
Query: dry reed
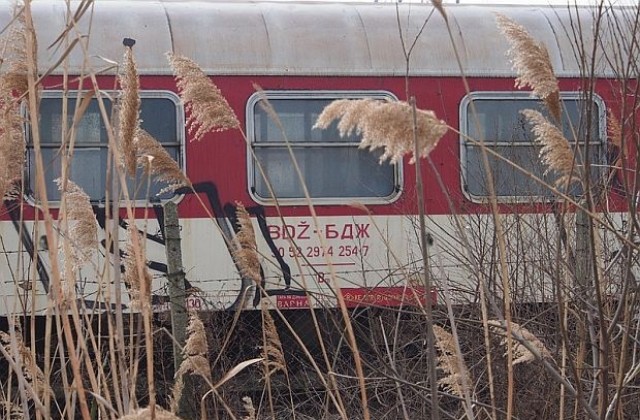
(13, 411)
(246, 250)
(135, 284)
(556, 153)
(385, 125)
(158, 163)
(521, 354)
(457, 376)
(532, 63)
(129, 110)
(24, 358)
(145, 414)
(247, 404)
(82, 233)
(13, 82)
(272, 352)
(12, 146)
(208, 109)
(196, 350)
(614, 130)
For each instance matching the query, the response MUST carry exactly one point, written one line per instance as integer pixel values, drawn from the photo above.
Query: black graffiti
(224, 216)
(13, 208)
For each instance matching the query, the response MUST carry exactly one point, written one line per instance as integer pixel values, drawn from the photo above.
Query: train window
(333, 168)
(88, 167)
(496, 118)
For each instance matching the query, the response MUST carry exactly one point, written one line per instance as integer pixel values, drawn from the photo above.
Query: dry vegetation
(574, 356)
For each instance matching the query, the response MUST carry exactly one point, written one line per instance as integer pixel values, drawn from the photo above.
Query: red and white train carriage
(304, 55)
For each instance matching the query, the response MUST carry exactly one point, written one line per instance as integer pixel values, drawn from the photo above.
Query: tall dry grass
(116, 372)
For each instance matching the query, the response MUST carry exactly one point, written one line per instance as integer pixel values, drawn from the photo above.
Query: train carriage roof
(303, 38)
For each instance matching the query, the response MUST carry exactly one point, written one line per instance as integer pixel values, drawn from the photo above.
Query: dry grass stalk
(145, 414)
(272, 352)
(129, 111)
(521, 354)
(438, 6)
(457, 376)
(157, 162)
(135, 284)
(246, 250)
(247, 404)
(208, 109)
(386, 125)
(196, 350)
(556, 152)
(532, 63)
(82, 225)
(31, 371)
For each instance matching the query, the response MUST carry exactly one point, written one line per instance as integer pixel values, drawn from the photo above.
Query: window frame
(516, 96)
(110, 95)
(252, 102)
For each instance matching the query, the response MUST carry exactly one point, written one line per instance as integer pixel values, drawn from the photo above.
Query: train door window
(160, 114)
(496, 118)
(334, 168)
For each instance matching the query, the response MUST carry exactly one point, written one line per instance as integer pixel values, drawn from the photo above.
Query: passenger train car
(364, 243)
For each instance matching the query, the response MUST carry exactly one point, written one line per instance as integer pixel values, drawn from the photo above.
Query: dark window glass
(332, 166)
(88, 166)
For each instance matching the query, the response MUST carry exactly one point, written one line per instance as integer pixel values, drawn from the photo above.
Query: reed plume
(208, 109)
(247, 404)
(531, 61)
(556, 153)
(12, 146)
(156, 162)
(246, 250)
(272, 352)
(614, 130)
(195, 352)
(129, 110)
(137, 279)
(145, 414)
(24, 358)
(385, 125)
(82, 231)
(617, 151)
(457, 376)
(521, 354)
(13, 411)
(15, 80)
